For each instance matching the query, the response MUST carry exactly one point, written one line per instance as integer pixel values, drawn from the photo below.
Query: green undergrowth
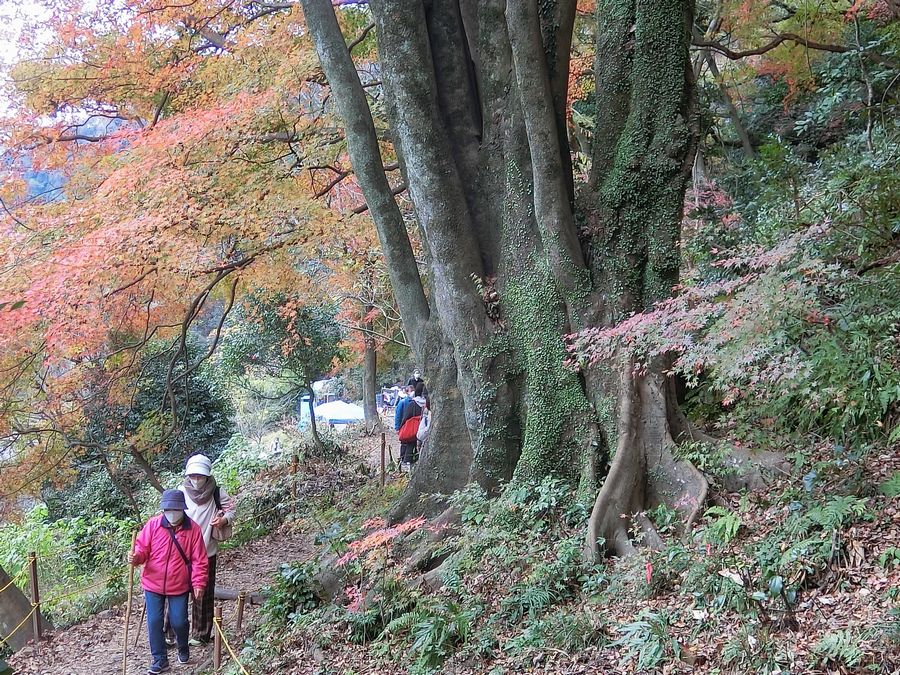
(741, 594)
(77, 560)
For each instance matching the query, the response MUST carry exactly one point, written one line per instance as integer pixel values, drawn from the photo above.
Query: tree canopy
(190, 158)
(164, 163)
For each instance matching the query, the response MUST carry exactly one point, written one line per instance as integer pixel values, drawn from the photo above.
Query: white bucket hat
(198, 464)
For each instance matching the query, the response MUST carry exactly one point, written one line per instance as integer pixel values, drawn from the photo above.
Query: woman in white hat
(211, 508)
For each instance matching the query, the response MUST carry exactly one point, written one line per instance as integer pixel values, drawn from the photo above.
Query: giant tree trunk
(518, 255)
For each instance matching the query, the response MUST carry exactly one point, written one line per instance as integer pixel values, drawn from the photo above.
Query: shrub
(891, 487)
(73, 553)
(565, 629)
(753, 650)
(548, 583)
(238, 463)
(722, 527)
(291, 594)
(370, 611)
(435, 631)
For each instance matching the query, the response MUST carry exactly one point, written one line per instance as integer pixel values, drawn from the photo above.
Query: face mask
(174, 517)
(198, 483)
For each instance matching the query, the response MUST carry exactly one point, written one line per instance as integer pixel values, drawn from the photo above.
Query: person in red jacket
(171, 549)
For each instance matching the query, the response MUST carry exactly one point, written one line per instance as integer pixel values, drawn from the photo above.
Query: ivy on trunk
(519, 253)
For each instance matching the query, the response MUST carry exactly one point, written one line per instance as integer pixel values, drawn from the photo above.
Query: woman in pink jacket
(171, 549)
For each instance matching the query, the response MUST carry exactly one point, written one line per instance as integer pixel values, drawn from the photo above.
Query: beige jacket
(204, 514)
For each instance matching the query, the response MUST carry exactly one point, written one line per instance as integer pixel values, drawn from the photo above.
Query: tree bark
(368, 167)
(147, 469)
(370, 367)
(313, 427)
(517, 257)
(448, 454)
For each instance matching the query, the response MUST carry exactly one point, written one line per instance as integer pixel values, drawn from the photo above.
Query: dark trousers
(409, 452)
(202, 610)
(177, 619)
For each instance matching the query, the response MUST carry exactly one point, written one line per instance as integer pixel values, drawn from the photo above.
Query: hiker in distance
(406, 397)
(170, 547)
(411, 420)
(415, 379)
(211, 508)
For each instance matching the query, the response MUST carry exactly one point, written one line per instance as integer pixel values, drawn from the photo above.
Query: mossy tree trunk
(520, 254)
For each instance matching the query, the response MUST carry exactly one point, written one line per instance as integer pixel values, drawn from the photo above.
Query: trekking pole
(128, 608)
(137, 635)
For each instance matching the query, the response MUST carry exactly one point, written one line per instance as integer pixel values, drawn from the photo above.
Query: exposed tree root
(422, 558)
(644, 471)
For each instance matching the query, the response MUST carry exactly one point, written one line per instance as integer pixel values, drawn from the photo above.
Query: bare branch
(159, 109)
(128, 285)
(373, 333)
(362, 208)
(779, 39)
(362, 36)
(10, 214)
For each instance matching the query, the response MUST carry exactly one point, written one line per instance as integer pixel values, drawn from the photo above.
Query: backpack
(409, 429)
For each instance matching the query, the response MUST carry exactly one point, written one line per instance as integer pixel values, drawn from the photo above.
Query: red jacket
(164, 569)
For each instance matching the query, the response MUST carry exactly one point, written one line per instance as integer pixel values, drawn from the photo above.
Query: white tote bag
(424, 426)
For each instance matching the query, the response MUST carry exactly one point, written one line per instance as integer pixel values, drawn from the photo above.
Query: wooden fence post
(383, 443)
(294, 463)
(242, 598)
(217, 639)
(35, 596)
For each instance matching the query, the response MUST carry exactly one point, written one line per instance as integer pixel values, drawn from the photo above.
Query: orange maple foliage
(751, 24)
(193, 157)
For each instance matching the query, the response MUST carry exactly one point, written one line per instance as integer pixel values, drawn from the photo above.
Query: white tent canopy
(340, 412)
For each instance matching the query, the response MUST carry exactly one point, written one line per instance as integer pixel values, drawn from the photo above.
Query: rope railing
(15, 630)
(37, 603)
(68, 550)
(78, 591)
(31, 569)
(19, 575)
(217, 622)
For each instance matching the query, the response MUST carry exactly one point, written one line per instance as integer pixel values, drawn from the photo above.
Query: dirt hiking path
(95, 646)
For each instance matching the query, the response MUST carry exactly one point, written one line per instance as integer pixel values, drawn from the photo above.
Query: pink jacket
(164, 569)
